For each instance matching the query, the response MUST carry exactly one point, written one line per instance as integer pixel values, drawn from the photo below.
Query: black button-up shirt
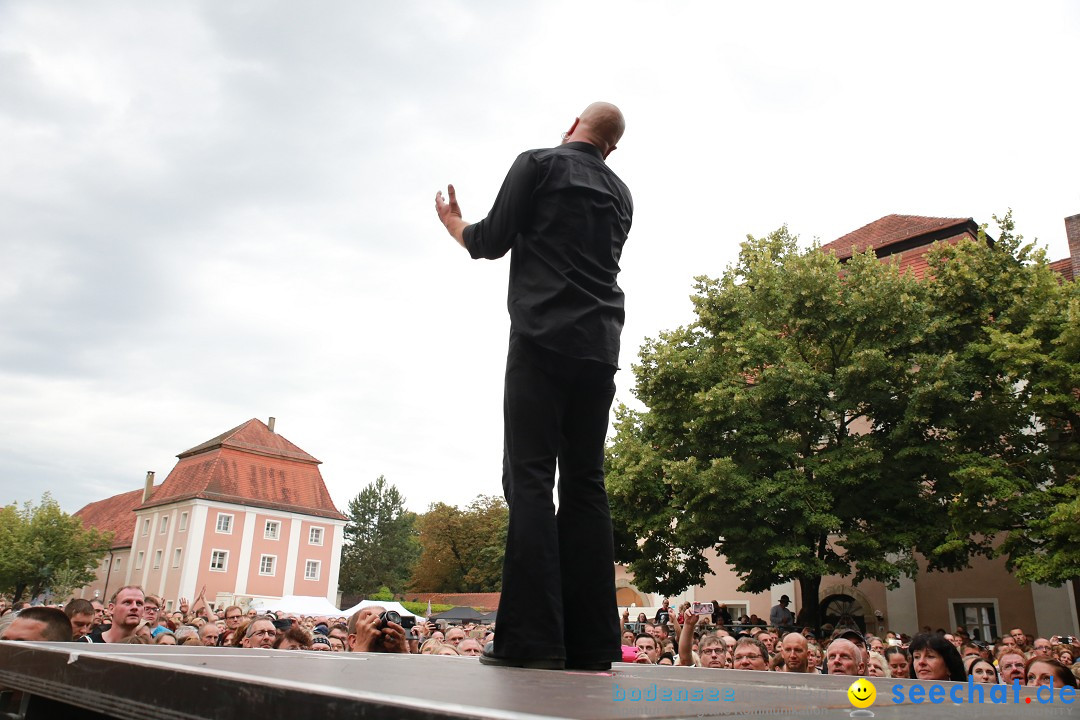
(565, 215)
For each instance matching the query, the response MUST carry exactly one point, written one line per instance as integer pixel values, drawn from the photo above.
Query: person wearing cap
(780, 617)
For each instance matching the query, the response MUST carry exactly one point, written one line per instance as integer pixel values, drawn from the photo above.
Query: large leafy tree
(825, 419)
(783, 429)
(462, 548)
(381, 541)
(42, 548)
(1009, 429)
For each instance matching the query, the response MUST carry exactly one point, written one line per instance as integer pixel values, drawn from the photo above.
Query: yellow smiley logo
(862, 693)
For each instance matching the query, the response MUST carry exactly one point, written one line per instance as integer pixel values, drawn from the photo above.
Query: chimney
(149, 485)
(270, 425)
(1072, 232)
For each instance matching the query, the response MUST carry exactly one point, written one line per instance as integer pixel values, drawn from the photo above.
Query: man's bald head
(601, 124)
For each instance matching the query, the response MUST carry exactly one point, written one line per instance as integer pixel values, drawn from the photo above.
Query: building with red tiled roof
(904, 238)
(246, 515)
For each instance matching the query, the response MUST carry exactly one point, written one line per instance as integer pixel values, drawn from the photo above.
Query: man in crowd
(454, 635)
(646, 645)
(470, 647)
(339, 638)
(1020, 637)
(233, 617)
(780, 617)
(1042, 648)
(750, 654)
(845, 658)
(663, 614)
(126, 608)
(368, 634)
(260, 633)
(154, 617)
(712, 653)
(209, 634)
(767, 639)
(81, 614)
(1011, 664)
(43, 624)
(564, 216)
(796, 652)
(99, 613)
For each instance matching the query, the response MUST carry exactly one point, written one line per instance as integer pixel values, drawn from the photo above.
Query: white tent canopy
(300, 605)
(388, 605)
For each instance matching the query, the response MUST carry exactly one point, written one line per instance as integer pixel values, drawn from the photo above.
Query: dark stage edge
(138, 682)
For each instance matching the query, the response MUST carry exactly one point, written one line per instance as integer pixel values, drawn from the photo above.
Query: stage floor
(139, 681)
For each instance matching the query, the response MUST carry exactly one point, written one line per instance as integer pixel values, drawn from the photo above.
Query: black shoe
(598, 666)
(488, 658)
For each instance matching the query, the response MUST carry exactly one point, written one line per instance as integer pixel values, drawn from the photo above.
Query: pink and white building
(245, 515)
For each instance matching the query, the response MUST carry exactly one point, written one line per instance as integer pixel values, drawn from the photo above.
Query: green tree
(1009, 431)
(783, 430)
(43, 548)
(462, 550)
(381, 541)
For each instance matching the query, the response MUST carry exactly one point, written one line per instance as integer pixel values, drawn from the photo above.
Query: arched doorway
(843, 611)
(627, 596)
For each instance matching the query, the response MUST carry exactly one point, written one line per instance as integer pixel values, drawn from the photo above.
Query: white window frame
(273, 565)
(168, 606)
(183, 522)
(953, 602)
(177, 554)
(138, 560)
(157, 559)
(146, 527)
(164, 525)
(224, 560)
(308, 574)
(276, 534)
(228, 523)
(315, 535)
(116, 564)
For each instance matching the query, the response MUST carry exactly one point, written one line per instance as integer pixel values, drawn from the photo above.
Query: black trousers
(558, 590)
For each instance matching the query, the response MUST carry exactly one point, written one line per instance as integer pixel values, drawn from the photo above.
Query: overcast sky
(213, 211)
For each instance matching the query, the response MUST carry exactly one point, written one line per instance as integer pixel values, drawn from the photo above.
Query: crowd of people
(131, 616)
(683, 638)
(677, 638)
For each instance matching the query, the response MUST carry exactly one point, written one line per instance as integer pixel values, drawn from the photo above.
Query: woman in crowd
(294, 638)
(935, 658)
(982, 671)
(165, 638)
(813, 656)
(1065, 654)
(1040, 671)
(877, 666)
(899, 661)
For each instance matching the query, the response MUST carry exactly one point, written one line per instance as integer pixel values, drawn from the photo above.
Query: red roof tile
(255, 437)
(1064, 267)
(115, 514)
(894, 229)
(249, 465)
